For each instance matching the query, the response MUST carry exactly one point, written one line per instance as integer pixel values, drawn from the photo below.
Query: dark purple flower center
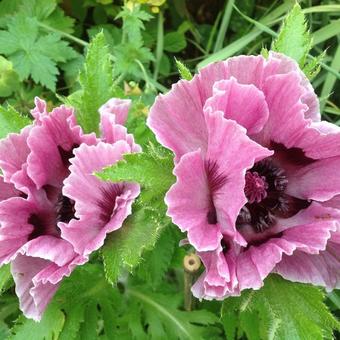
(256, 187)
(265, 188)
(45, 223)
(107, 203)
(65, 209)
(65, 155)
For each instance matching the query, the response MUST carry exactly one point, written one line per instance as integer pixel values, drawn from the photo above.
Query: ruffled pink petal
(188, 202)
(14, 230)
(7, 190)
(286, 122)
(280, 63)
(60, 135)
(308, 231)
(177, 118)
(219, 278)
(100, 206)
(232, 153)
(112, 132)
(319, 181)
(320, 140)
(49, 248)
(37, 280)
(117, 107)
(213, 183)
(320, 270)
(13, 152)
(40, 109)
(24, 269)
(243, 103)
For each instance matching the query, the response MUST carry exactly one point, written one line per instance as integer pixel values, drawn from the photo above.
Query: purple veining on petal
(107, 202)
(216, 181)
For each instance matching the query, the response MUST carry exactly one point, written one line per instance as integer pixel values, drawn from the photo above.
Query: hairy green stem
(66, 35)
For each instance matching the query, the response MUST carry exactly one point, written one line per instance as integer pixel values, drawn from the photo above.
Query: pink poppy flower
(35, 210)
(285, 223)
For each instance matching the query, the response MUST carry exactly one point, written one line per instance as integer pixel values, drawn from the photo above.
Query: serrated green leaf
(133, 22)
(124, 248)
(294, 39)
(31, 53)
(87, 300)
(153, 170)
(183, 70)
(284, 310)
(11, 121)
(96, 81)
(156, 262)
(48, 328)
(166, 319)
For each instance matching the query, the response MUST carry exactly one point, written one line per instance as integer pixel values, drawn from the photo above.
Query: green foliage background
(83, 52)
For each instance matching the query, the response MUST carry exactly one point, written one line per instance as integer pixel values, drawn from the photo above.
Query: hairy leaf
(96, 81)
(153, 170)
(294, 40)
(183, 70)
(11, 121)
(48, 328)
(280, 310)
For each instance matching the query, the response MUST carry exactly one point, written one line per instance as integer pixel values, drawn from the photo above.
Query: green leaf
(133, 22)
(33, 54)
(9, 79)
(96, 81)
(174, 42)
(11, 121)
(166, 321)
(280, 310)
(48, 328)
(153, 170)
(157, 261)
(294, 39)
(92, 300)
(124, 248)
(5, 277)
(183, 70)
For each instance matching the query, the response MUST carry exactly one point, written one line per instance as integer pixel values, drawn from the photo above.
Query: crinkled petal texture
(306, 250)
(37, 278)
(219, 279)
(60, 135)
(112, 132)
(117, 107)
(292, 228)
(208, 194)
(177, 118)
(100, 207)
(33, 209)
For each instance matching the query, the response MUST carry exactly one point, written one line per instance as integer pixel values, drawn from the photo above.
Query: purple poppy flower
(35, 209)
(286, 221)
